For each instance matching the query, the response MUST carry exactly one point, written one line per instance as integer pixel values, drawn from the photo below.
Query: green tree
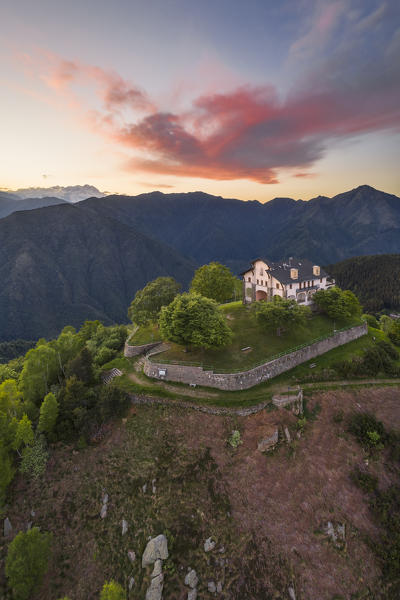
(27, 562)
(67, 346)
(280, 314)
(147, 303)
(48, 414)
(394, 332)
(41, 369)
(193, 320)
(112, 401)
(89, 329)
(24, 435)
(6, 471)
(371, 321)
(6, 372)
(214, 281)
(82, 367)
(337, 304)
(385, 323)
(112, 591)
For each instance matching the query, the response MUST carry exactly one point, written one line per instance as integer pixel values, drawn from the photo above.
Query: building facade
(294, 279)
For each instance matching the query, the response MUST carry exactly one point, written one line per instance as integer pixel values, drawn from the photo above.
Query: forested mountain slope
(63, 264)
(374, 279)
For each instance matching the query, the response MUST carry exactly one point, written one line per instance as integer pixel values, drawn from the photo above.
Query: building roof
(281, 270)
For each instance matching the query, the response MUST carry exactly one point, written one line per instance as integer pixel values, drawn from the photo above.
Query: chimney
(294, 273)
(316, 270)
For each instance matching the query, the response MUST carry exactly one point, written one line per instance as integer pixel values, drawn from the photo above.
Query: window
(261, 271)
(290, 286)
(320, 280)
(257, 282)
(312, 282)
(262, 282)
(277, 286)
(249, 279)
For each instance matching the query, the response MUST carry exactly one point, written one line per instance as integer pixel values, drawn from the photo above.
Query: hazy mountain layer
(10, 203)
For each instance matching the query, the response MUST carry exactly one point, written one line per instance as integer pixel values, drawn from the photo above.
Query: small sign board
(162, 372)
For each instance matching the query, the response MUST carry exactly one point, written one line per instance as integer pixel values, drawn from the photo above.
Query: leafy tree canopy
(280, 313)
(394, 332)
(48, 414)
(27, 561)
(385, 323)
(193, 320)
(371, 320)
(41, 369)
(81, 366)
(24, 435)
(337, 304)
(147, 303)
(214, 281)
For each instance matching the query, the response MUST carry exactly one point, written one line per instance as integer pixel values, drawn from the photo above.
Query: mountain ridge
(65, 263)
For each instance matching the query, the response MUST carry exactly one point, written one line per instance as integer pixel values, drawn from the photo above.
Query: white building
(295, 279)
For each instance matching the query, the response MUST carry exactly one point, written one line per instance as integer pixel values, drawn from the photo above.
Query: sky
(252, 100)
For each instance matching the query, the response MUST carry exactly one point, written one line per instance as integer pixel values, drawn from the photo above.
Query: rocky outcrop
(157, 548)
(104, 507)
(209, 545)
(7, 527)
(191, 579)
(155, 552)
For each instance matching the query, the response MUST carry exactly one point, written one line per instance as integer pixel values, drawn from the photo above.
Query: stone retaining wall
(210, 410)
(130, 351)
(248, 379)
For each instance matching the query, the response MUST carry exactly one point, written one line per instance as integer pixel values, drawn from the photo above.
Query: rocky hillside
(232, 523)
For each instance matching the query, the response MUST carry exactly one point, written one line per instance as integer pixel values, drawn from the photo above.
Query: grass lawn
(248, 333)
(146, 334)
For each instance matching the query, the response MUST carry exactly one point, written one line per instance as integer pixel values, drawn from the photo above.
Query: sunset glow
(250, 102)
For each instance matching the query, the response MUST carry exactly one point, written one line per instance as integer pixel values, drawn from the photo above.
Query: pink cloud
(247, 133)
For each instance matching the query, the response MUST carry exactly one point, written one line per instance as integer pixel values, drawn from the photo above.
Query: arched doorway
(301, 297)
(261, 295)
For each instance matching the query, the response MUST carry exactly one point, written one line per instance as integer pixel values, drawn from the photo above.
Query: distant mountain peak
(69, 193)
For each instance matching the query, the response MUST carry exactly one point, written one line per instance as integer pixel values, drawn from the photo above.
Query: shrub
(365, 481)
(26, 562)
(389, 349)
(371, 321)
(234, 439)
(301, 423)
(368, 431)
(34, 458)
(112, 591)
